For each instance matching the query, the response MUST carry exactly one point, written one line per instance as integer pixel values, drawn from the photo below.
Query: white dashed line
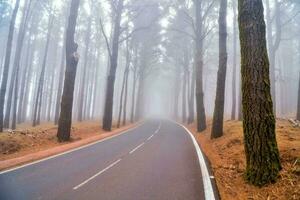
(136, 148)
(99, 173)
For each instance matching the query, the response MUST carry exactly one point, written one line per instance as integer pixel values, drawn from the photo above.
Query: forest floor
(31, 143)
(227, 158)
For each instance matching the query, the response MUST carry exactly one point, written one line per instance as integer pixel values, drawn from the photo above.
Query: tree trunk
(23, 82)
(298, 105)
(133, 96)
(125, 98)
(72, 58)
(121, 99)
(201, 117)
(262, 155)
(17, 60)
(217, 125)
(184, 85)
(273, 44)
(82, 92)
(108, 109)
(39, 95)
(234, 63)
(7, 62)
(191, 117)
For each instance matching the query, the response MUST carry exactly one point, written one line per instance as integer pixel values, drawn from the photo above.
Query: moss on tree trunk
(262, 155)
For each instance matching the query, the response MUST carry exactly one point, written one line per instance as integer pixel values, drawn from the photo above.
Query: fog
(155, 72)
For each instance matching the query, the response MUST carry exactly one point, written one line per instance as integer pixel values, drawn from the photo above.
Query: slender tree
(7, 62)
(217, 126)
(82, 92)
(201, 116)
(72, 58)
(234, 63)
(109, 98)
(39, 95)
(262, 155)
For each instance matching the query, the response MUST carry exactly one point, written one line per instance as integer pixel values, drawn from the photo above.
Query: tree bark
(201, 117)
(262, 155)
(108, 109)
(218, 118)
(7, 62)
(72, 58)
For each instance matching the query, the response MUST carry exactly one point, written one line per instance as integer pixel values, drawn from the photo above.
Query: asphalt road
(156, 160)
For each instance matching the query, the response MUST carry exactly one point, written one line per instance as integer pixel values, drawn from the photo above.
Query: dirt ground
(227, 158)
(26, 139)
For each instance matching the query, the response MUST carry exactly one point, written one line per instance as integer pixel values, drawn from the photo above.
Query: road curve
(156, 160)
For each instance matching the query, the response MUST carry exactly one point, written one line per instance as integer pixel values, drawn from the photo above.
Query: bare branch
(105, 37)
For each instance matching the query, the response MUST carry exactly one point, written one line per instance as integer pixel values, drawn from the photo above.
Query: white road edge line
(208, 189)
(70, 151)
(136, 148)
(157, 130)
(149, 138)
(99, 173)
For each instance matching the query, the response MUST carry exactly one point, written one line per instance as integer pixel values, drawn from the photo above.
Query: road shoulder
(27, 159)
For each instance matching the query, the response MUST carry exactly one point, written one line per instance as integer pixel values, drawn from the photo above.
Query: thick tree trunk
(72, 58)
(7, 62)
(218, 118)
(108, 109)
(201, 117)
(262, 155)
(234, 63)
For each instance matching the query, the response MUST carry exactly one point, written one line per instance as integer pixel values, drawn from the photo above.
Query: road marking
(70, 151)
(136, 148)
(99, 173)
(208, 189)
(158, 128)
(149, 138)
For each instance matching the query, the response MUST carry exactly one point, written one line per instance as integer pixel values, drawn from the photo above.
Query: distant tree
(82, 92)
(72, 58)
(201, 116)
(17, 62)
(7, 62)
(39, 95)
(262, 155)
(274, 40)
(234, 62)
(217, 126)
